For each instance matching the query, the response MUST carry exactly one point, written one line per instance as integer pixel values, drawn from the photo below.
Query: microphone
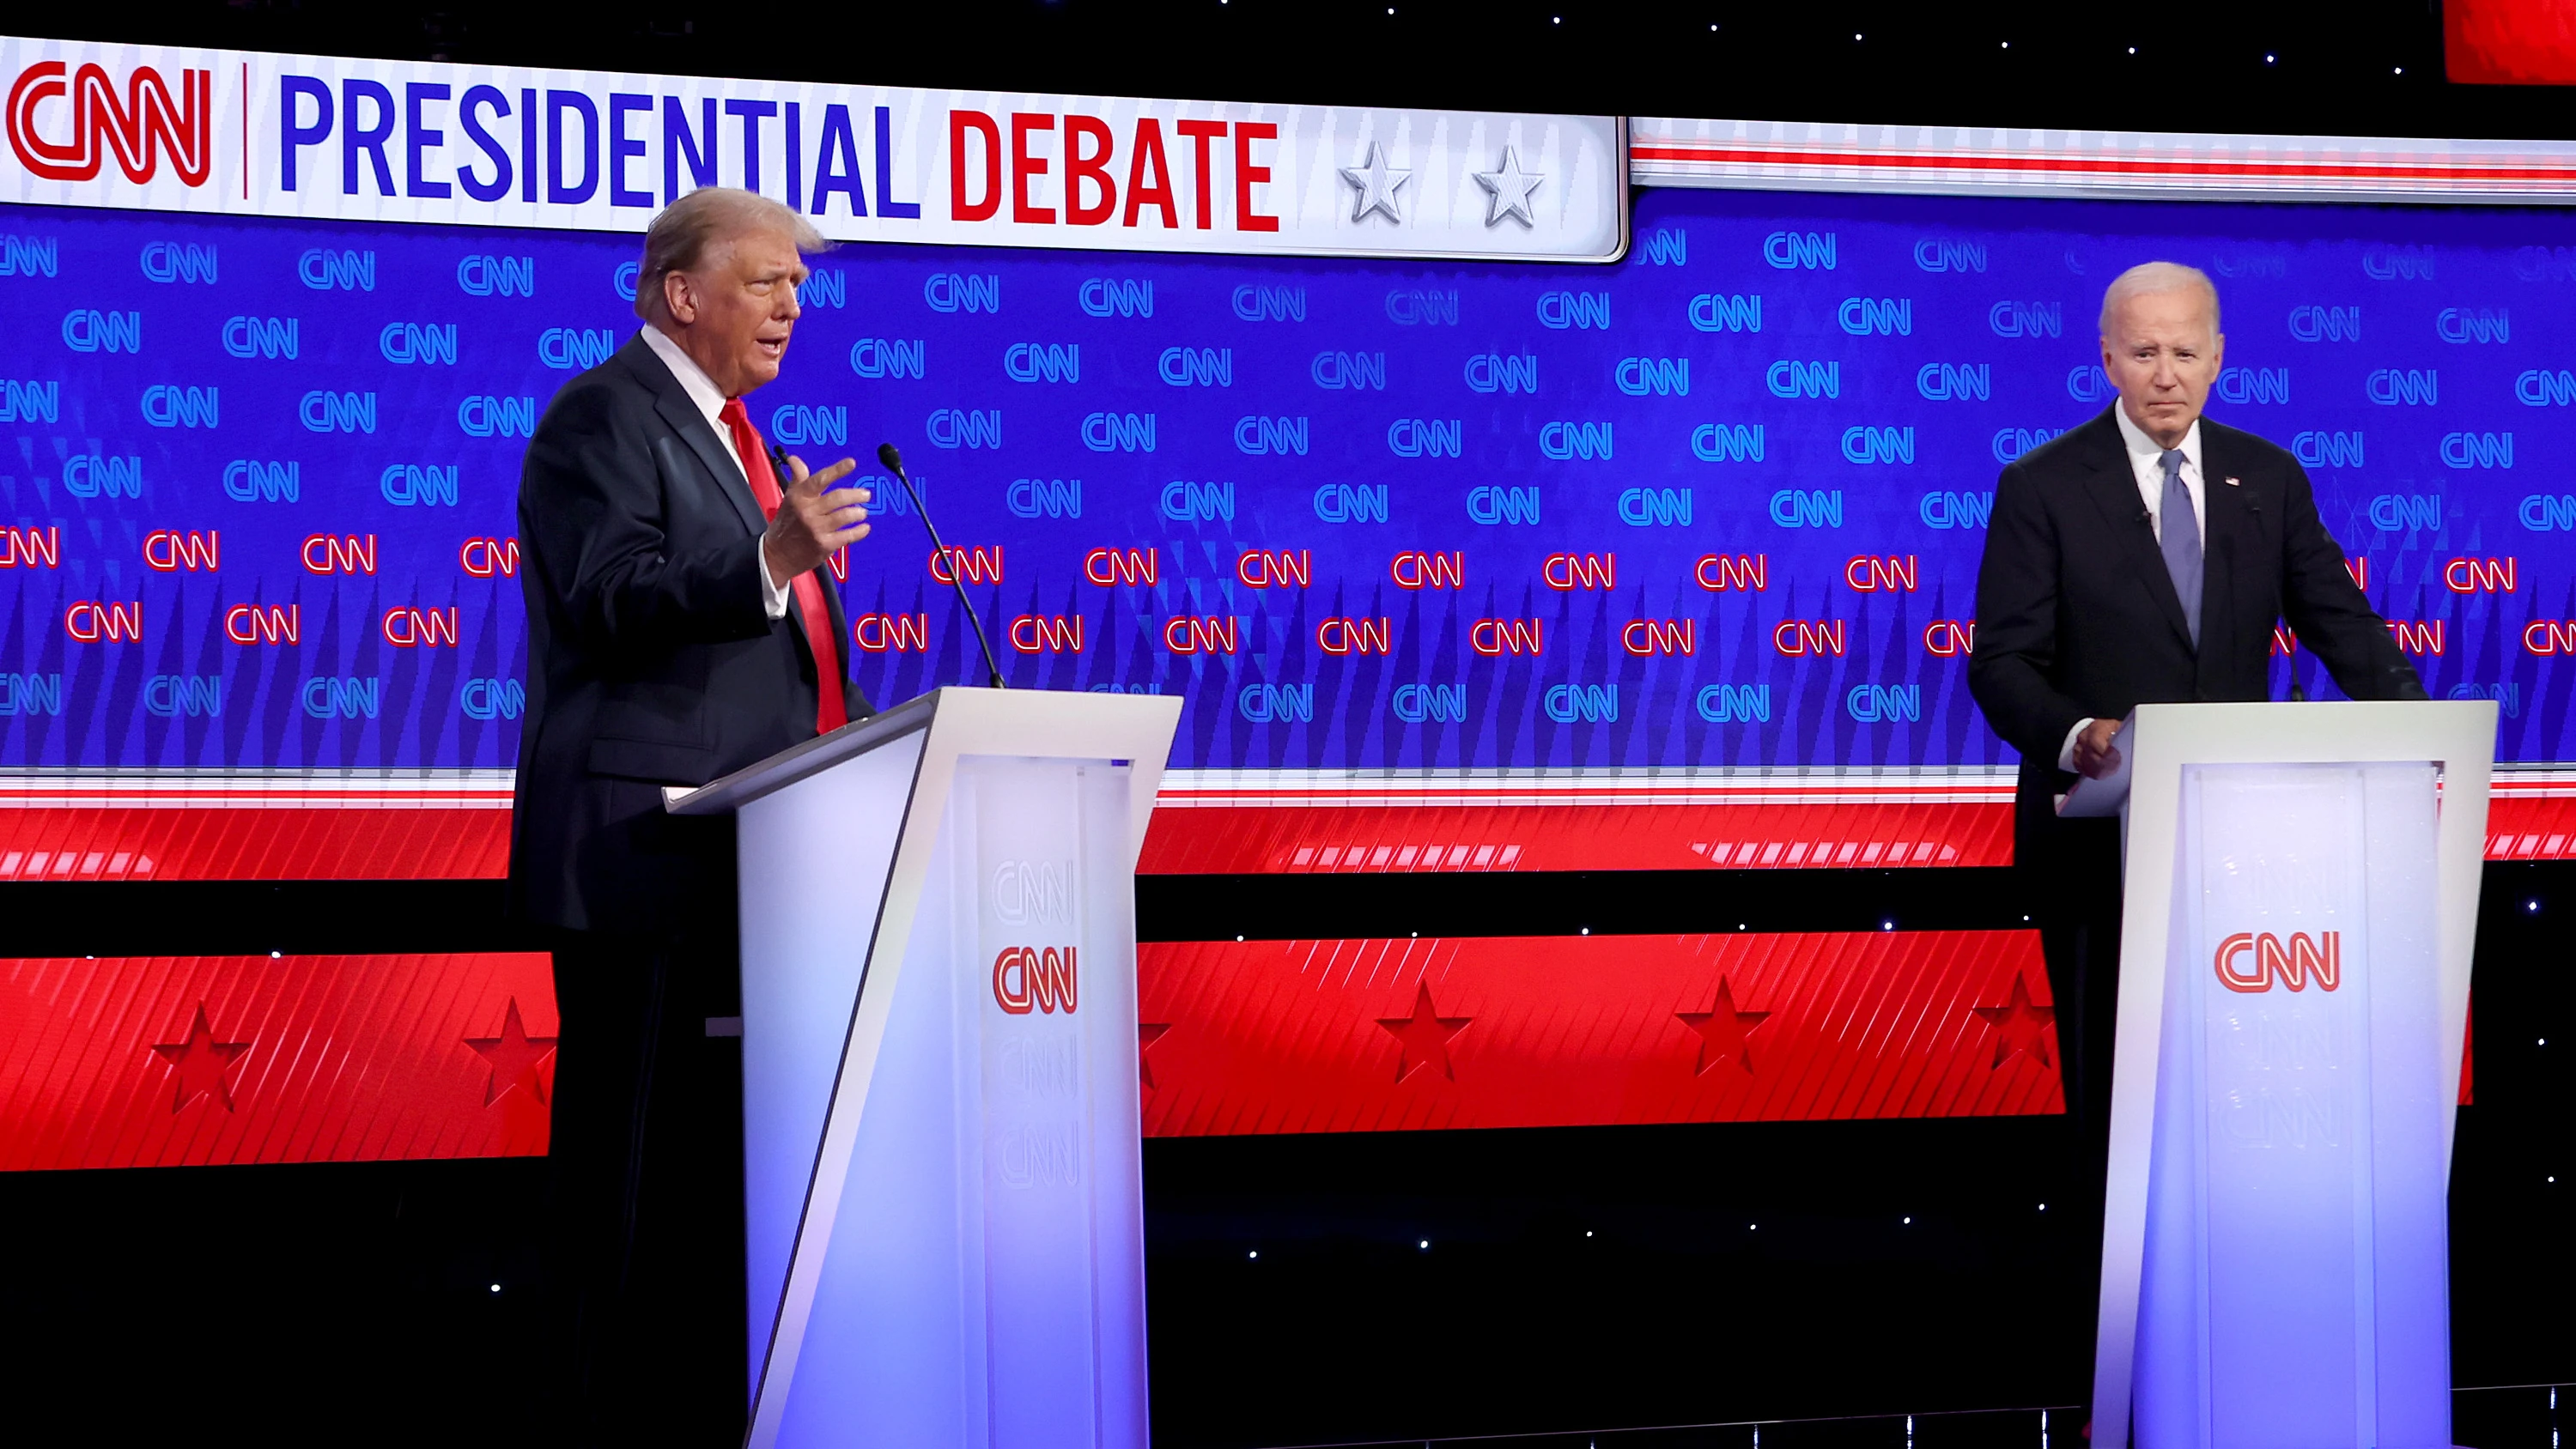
(893, 460)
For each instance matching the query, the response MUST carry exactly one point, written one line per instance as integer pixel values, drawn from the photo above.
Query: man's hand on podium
(812, 524)
(2094, 757)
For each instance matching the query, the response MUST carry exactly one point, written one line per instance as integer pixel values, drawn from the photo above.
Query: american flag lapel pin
(2232, 483)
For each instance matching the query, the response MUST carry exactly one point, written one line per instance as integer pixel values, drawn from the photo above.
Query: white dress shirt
(710, 400)
(2147, 464)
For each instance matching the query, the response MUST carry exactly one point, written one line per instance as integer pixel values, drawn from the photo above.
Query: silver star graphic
(1377, 183)
(1510, 187)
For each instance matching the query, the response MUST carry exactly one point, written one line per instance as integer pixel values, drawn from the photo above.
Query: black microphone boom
(893, 460)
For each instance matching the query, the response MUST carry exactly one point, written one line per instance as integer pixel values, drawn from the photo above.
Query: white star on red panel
(515, 1057)
(199, 1063)
(2021, 1025)
(1722, 1030)
(1425, 1035)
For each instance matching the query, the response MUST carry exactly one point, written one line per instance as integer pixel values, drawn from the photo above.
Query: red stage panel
(173, 1061)
(1354, 1036)
(93, 844)
(2509, 42)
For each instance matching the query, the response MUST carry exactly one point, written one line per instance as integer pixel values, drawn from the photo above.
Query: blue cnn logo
(30, 256)
(180, 407)
(2547, 513)
(2327, 450)
(1956, 510)
(1429, 703)
(338, 412)
(1270, 437)
(1351, 503)
(1665, 247)
(1655, 507)
(1955, 381)
(89, 330)
(22, 694)
(2026, 319)
(1115, 297)
(2477, 450)
(571, 349)
(430, 344)
(248, 480)
(1804, 379)
(1055, 498)
(1116, 432)
(1427, 437)
(2473, 324)
(342, 698)
(262, 337)
(1949, 254)
(964, 428)
(184, 696)
(2259, 385)
(2404, 387)
(1724, 312)
(492, 698)
(2011, 443)
(797, 425)
(325, 270)
(1877, 316)
(1270, 304)
(2089, 384)
(2325, 324)
(1586, 311)
(1884, 703)
(1204, 366)
(1187, 502)
(1348, 371)
(1638, 376)
(1276, 703)
(1581, 703)
(1043, 362)
(1799, 250)
(496, 417)
(489, 276)
(1727, 443)
(29, 401)
(889, 357)
(1407, 308)
(1734, 703)
(1491, 372)
(1582, 442)
(959, 292)
(1878, 445)
(1489, 504)
(2545, 389)
(2405, 512)
(1799, 508)
(93, 475)
(178, 262)
(415, 485)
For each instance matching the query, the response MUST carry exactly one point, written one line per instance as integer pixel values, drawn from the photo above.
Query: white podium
(2300, 905)
(944, 1216)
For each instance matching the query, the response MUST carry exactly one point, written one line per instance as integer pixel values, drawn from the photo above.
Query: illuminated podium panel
(942, 1192)
(2301, 900)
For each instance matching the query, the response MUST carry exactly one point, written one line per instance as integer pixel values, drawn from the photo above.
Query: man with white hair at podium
(2143, 557)
(679, 628)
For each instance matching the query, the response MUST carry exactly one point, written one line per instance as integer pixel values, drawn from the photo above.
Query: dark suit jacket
(651, 659)
(2077, 616)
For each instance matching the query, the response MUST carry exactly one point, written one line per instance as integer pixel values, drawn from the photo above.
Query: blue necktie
(2181, 541)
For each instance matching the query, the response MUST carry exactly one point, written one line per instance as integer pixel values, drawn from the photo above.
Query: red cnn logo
(2291, 965)
(1026, 979)
(135, 129)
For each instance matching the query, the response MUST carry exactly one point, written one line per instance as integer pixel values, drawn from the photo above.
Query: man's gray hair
(687, 230)
(2149, 278)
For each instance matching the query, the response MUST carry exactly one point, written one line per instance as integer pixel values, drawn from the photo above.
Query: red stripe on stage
(189, 1061)
(1356, 1036)
(86, 843)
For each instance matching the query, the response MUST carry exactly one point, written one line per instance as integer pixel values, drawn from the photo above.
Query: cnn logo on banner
(2291, 964)
(1027, 979)
(92, 121)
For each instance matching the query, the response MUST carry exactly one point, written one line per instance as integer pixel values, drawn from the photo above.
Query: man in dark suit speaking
(2144, 557)
(678, 630)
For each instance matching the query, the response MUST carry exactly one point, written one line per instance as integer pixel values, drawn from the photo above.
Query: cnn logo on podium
(1027, 979)
(2292, 964)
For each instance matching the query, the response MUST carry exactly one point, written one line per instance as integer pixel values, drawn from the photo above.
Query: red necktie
(831, 711)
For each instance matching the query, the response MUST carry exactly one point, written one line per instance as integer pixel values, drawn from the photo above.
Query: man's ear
(679, 299)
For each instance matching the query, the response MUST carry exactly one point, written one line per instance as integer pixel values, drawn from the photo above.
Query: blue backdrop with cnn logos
(1719, 505)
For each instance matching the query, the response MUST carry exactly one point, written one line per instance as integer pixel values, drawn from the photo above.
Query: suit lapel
(2227, 525)
(672, 402)
(2114, 489)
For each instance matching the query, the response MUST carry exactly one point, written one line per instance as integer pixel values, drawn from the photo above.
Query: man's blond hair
(690, 229)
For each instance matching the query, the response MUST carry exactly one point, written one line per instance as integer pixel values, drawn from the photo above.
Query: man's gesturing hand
(813, 523)
(2094, 757)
